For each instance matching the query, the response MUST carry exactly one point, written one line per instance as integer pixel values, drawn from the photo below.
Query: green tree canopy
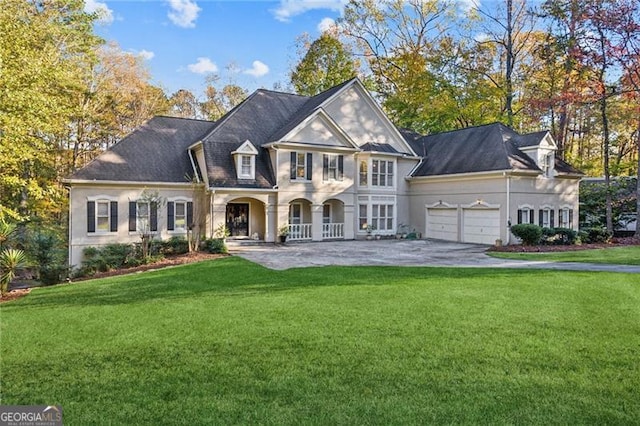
(326, 63)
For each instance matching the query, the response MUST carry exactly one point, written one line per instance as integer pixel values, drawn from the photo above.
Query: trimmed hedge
(215, 245)
(528, 233)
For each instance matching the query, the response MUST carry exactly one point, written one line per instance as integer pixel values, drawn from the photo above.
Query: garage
(442, 223)
(480, 226)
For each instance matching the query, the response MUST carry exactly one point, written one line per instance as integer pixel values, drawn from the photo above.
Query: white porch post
(349, 222)
(218, 215)
(316, 222)
(270, 222)
(282, 216)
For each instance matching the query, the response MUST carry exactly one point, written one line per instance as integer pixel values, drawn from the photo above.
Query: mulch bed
(615, 242)
(166, 262)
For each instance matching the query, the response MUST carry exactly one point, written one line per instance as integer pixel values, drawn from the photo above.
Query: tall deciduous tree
(509, 26)
(325, 64)
(44, 49)
(399, 40)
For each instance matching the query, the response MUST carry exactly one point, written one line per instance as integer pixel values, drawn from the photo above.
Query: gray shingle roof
(475, 149)
(155, 152)
(307, 109)
(255, 119)
(379, 147)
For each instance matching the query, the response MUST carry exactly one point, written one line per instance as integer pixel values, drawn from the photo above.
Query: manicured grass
(228, 341)
(629, 255)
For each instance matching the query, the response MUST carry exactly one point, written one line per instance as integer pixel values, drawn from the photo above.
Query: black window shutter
(325, 167)
(340, 167)
(132, 215)
(532, 215)
(559, 217)
(114, 216)
(519, 216)
(570, 218)
(551, 221)
(293, 164)
(541, 217)
(190, 214)
(170, 216)
(154, 217)
(309, 166)
(91, 216)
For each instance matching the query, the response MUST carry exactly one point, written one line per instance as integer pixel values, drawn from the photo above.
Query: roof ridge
(281, 92)
(182, 118)
(464, 128)
(230, 113)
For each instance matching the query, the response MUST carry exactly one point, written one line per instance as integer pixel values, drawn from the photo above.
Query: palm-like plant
(10, 261)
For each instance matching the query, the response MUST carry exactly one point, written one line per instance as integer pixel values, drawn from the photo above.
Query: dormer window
(245, 160)
(547, 164)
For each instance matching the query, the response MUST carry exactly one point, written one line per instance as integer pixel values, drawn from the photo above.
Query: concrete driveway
(395, 253)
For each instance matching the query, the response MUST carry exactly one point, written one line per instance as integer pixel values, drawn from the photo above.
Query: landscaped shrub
(174, 245)
(47, 251)
(111, 256)
(528, 233)
(596, 235)
(559, 236)
(215, 245)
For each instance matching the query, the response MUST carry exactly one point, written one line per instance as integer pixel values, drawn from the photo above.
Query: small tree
(156, 205)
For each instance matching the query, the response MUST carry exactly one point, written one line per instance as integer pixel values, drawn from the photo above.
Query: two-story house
(327, 167)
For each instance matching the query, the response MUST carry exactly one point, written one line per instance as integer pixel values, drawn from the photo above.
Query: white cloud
(146, 54)
(290, 8)
(105, 15)
(203, 66)
(482, 37)
(258, 70)
(468, 5)
(326, 24)
(183, 13)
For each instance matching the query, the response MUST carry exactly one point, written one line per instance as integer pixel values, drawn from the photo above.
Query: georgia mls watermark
(30, 415)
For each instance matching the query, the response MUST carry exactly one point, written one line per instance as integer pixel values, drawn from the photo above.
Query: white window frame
(245, 151)
(363, 221)
(564, 213)
(99, 216)
(176, 228)
(332, 167)
(363, 173)
(247, 163)
(546, 217)
(525, 216)
(301, 166)
(97, 200)
(382, 217)
(378, 175)
(140, 225)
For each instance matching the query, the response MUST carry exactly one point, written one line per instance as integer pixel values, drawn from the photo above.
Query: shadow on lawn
(236, 277)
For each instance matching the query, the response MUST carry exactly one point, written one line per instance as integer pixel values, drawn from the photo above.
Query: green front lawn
(629, 255)
(228, 341)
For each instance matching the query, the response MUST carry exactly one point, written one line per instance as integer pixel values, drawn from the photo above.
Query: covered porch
(309, 222)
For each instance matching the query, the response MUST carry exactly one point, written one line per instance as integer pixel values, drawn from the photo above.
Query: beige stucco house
(327, 167)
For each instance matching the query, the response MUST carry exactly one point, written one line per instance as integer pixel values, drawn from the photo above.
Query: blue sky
(184, 40)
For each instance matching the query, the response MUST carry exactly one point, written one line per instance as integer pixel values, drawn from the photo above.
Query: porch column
(270, 222)
(218, 215)
(349, 222)
(281, 216)
(316, 222)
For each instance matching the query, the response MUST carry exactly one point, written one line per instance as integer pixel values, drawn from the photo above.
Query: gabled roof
(255, 119)
(379, 147)
(166, 138)
(307, 109)
(484, 148)
(530, 139)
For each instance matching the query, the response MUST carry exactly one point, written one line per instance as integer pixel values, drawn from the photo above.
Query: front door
(238, 220)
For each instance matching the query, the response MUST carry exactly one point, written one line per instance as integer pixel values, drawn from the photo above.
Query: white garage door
(442, 224)
(481, 226)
